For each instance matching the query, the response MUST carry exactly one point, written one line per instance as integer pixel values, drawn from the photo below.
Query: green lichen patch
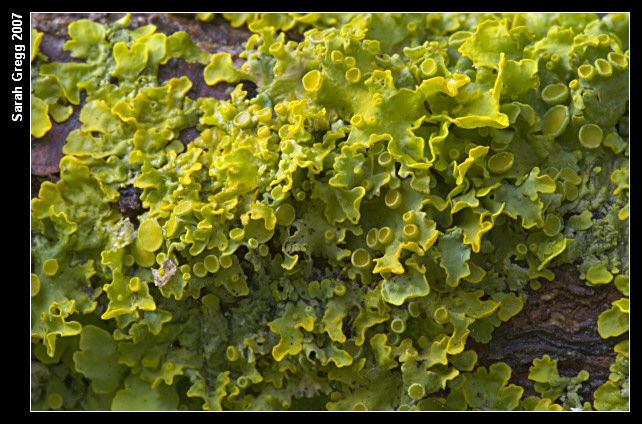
(334, 240)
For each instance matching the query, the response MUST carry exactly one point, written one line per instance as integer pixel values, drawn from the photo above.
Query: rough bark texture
(558, 320)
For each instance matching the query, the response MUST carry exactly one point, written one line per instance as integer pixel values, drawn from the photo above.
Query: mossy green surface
(333, 242)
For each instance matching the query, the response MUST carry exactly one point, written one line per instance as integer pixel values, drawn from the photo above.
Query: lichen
(334, 241)
(613, 395)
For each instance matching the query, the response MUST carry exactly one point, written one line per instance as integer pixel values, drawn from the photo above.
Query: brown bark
(558, 320)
